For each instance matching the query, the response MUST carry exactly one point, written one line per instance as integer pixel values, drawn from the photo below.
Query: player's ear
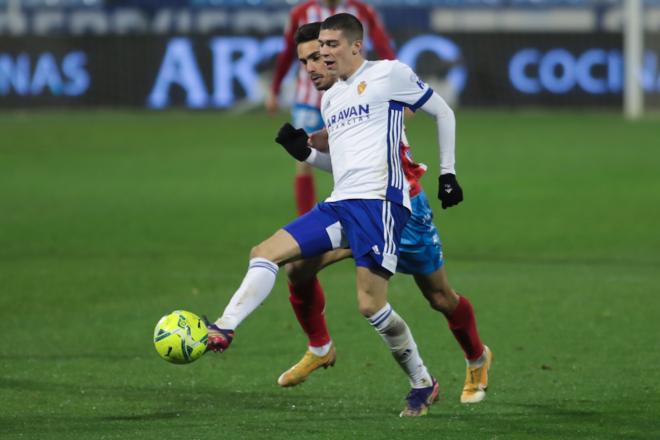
(357, 47)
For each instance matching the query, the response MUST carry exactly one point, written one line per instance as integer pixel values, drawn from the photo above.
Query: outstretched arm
(446, 126)
(449, 191)
(407, 88)
(283, 61)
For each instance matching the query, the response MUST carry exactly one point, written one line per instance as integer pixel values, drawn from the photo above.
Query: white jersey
(364, 119)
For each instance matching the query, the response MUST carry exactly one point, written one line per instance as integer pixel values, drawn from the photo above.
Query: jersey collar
(357, 72)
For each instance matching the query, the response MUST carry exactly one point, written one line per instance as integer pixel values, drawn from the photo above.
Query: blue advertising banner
(223, 71)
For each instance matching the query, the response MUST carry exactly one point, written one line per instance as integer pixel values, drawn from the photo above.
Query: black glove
(294, 141)
(449, 192)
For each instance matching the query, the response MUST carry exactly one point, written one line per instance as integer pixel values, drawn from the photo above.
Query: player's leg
(304, 190)
(421, 256)
(257, 284)
(307, 236)
(372, 302)
(456, 308)
(373, 229)
(462, 323)
(307, 296)
(308, 304)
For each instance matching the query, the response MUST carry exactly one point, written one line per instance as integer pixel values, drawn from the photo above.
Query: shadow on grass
(164, 415)
(70, 357)
(252, 414)
(551, 419)
(558, 261)
(550, 409)
(134, 409)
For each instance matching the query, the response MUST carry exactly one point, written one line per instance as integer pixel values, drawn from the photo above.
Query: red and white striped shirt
(315, 10)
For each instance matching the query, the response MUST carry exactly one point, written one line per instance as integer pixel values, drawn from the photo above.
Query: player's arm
(296, 143)
(283, 61)
(409, 89)
(449, 191)
(320, 160)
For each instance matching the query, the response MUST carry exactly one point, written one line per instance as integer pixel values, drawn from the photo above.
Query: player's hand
(449, 191)
(294, 141)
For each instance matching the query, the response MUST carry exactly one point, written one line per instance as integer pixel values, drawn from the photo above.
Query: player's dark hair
(348, 24)
(307, 32)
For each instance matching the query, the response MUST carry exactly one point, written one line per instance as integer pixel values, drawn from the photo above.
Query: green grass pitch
(109, 220)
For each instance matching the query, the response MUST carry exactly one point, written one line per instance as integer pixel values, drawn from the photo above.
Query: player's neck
(354, 68)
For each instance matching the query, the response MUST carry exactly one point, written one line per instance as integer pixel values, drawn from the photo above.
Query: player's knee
(255, 252)
(260, 251)
(443, 301)
(439, 300)
(297, 273)
(439, 304)
(367, 308)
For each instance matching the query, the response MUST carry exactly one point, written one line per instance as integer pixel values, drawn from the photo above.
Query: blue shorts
(307, 117)
(371, 228)
(420, 248)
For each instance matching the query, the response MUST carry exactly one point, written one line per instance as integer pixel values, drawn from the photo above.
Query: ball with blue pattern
(180, 337)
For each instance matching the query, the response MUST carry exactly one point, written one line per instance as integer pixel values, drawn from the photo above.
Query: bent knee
(369, 308)
(297, 273)
(265, 250)
(366, 310)
(444, 302)
(257, 251)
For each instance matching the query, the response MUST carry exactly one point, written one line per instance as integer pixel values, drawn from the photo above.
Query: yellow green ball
(180, 337)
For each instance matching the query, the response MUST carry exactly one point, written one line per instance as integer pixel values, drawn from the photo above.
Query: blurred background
(220, 54)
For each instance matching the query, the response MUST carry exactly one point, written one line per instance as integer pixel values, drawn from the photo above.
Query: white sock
(256, 286)
(396, 334)
(322, 350)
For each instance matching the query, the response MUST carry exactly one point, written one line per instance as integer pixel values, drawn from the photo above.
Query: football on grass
(180, 337)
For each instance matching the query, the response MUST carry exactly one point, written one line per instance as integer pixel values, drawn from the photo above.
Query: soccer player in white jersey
(368, 207)
(420, 255)
(307, 100)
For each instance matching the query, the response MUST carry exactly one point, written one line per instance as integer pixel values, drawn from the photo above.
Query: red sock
(305, 193)
(464, 327)
(308, 302)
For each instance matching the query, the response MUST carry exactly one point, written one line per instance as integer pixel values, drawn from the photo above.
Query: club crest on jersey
(361, 87)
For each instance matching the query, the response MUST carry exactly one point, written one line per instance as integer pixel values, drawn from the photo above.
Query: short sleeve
(406, 87)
